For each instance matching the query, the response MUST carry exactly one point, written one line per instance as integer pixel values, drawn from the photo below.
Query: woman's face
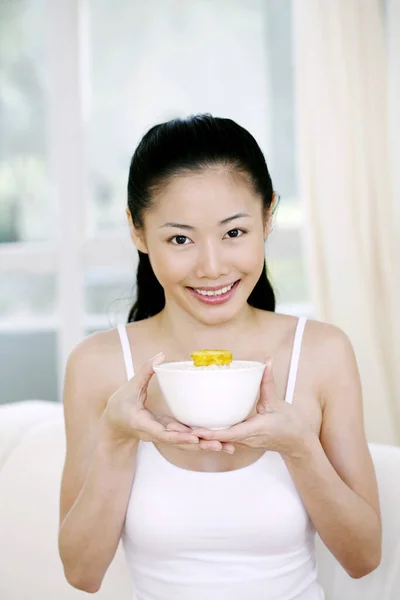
(205, 239)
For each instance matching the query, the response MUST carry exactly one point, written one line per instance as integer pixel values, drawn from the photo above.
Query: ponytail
(263, 296)
(150, 297)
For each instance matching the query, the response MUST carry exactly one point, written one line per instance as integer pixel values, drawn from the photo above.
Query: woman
(225, 514)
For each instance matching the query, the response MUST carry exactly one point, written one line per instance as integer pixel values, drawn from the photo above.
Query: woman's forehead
(212, 191)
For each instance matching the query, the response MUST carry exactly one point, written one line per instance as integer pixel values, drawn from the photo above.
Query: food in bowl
(212, 396)
(204, 358)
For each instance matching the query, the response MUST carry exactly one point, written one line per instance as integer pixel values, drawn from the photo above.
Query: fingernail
(157, 357)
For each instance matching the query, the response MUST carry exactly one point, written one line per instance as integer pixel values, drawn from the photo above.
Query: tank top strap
(294, 363)
(126, 351)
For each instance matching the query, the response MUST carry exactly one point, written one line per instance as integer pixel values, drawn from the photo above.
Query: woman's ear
(267, 225)
(137, 236)
(268, 215)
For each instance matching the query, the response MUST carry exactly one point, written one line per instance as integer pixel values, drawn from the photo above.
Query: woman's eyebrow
(191, 228)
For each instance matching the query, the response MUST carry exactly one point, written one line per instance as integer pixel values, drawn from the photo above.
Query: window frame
(72, 253)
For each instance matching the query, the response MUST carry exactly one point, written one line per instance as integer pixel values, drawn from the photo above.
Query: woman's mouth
(215, 296)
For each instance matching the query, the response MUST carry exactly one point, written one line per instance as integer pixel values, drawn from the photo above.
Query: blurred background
(82, 81)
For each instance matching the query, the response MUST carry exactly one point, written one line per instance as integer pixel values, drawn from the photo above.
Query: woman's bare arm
(335, 476)
(98, 472)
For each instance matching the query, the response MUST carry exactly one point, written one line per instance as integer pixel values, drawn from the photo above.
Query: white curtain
(347, 189)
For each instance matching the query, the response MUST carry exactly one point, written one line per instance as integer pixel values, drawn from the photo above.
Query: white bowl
(213, 397)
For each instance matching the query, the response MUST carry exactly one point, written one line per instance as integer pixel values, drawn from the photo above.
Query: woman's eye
(234, 233)
(179, 240)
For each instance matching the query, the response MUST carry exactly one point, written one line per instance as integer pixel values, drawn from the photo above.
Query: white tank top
(235, 535)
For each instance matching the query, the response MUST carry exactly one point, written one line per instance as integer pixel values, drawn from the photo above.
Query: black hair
(183, 146)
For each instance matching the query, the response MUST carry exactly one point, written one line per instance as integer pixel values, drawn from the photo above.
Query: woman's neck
(188, 334)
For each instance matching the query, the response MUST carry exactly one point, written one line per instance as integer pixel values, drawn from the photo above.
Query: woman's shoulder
(100, 353)
(316, 333)
(326, 352)
(98, 361)
(96, 347)
(324, 346)
(325, 340)
(104, 345)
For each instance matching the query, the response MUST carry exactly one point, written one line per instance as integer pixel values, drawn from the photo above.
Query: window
(81, 83)
(25, 208)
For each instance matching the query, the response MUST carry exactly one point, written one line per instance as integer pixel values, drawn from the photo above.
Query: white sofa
(31, 457)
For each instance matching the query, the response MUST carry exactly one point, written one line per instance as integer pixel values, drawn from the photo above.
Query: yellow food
(204, 358)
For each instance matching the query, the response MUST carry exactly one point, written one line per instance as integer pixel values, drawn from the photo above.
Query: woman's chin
(218, 314)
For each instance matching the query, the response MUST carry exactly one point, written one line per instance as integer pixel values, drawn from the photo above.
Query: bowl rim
(251, 365)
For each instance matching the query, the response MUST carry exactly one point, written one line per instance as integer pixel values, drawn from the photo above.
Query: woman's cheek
(251, 257)
(171, 266)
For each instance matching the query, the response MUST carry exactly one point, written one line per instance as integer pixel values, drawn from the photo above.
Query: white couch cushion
(17, 418)
(30, 478)
(384, 582)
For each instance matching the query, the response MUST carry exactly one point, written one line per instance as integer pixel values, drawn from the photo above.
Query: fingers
(210, 445)
(268, 375)
(237, 432)
(229, 448)
(172, 425)
(222, 435)
(157, 359)
(146, 372)
(153, 428)
(262, 403)
(216, 446)
(213, 445)
(166, 429)
(268, 393)
(198, 447)
(174, 437)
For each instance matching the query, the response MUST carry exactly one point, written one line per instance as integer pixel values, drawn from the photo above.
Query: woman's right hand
(128, 419)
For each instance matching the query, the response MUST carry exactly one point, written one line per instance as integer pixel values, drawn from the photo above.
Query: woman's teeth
(215, 292)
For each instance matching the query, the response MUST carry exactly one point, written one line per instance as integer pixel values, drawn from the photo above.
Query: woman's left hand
(277, 425)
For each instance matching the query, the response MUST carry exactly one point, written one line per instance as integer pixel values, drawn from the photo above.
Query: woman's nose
(211, 262)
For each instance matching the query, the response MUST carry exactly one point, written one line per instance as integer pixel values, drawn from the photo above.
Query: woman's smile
(214, 296)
